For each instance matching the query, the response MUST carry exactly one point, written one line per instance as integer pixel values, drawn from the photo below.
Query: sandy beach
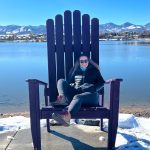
(142, 111)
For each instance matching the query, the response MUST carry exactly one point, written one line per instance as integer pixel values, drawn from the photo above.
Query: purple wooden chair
(66, 39)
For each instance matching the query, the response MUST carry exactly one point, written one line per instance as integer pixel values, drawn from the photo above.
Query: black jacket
(86, 81)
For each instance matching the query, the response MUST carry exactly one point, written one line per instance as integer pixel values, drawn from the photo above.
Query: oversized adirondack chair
(66, 39)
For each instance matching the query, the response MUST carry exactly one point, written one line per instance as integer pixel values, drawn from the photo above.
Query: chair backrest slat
(95, 40)
(86, 34)
(59, 46)
(77, 34)
(68, 41)
(51, 59)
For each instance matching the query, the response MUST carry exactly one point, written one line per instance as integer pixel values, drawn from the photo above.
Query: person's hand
(89, 89)
(86, 87)
(79, 90)
(72, 84)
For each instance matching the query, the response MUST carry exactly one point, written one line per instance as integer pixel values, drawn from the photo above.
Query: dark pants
(75, 99)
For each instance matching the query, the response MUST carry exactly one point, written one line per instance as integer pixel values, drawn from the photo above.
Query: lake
(118, 59)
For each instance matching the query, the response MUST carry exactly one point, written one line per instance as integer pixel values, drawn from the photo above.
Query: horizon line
(100, 24)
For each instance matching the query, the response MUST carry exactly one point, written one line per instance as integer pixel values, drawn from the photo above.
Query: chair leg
(35, 114)
(36, 133)
(102, 127)
(113, 119)
(112, 132)
(48, 125)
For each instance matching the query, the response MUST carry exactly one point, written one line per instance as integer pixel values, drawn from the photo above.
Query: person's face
(84, 61)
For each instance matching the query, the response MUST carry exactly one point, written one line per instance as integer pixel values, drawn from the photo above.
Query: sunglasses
(84, 61)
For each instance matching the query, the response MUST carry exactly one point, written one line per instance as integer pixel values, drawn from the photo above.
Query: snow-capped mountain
(108, 27)
(104, 28)
(15, 29)
(126, 27)
(147, 27)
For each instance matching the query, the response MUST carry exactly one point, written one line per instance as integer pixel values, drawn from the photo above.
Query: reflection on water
(21, 61)
(145, 43)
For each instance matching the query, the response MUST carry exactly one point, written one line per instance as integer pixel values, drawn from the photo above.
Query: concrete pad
(67, 138)
(5, 139)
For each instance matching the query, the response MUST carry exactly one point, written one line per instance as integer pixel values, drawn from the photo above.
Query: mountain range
(104, 28)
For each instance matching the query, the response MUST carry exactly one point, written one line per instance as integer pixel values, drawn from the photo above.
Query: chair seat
(85, 112)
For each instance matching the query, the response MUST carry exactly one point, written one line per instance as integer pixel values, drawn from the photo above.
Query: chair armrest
(34, 98)
(37, 81)
(112, 80)
(101, 91)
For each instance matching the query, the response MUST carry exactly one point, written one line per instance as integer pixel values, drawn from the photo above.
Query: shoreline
(137, 111)
(27, 41)
(143, 111)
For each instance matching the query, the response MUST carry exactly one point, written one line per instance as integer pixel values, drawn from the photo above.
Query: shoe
(61, 100)
(63, 118)
(73, 122)
(54, 122)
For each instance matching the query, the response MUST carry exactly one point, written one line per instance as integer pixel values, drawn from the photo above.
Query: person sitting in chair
(80, 89)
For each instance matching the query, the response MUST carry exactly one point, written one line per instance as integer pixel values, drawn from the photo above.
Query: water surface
(21, 61)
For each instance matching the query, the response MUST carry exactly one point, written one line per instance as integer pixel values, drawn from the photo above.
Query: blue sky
(36, 12)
